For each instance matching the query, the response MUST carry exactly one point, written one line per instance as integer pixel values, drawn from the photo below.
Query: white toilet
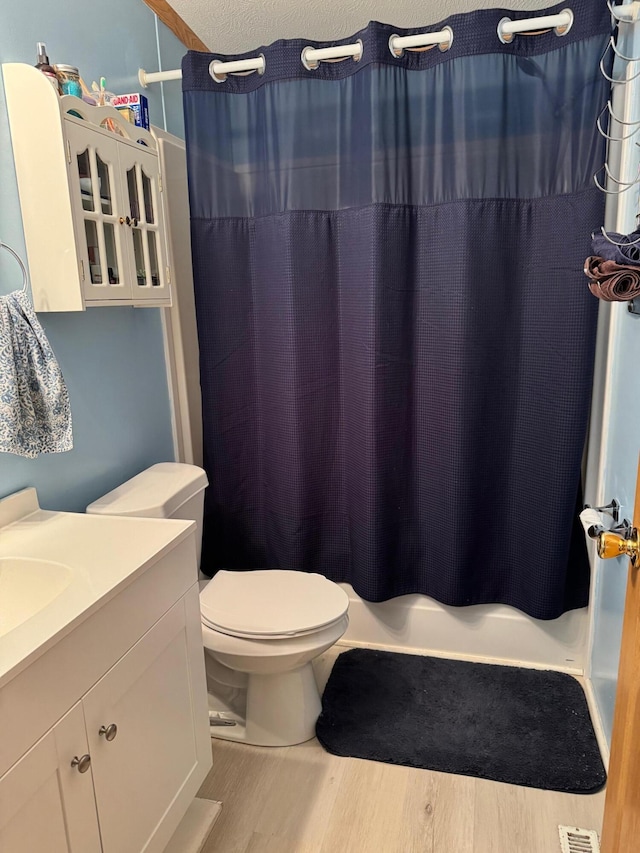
(261, 629)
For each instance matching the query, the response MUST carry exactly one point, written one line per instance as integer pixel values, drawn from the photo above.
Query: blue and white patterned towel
(35, 416)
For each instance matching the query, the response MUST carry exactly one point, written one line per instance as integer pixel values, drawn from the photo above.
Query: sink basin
(27, 586)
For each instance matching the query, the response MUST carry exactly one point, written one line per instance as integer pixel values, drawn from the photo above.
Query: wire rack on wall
(619, 124)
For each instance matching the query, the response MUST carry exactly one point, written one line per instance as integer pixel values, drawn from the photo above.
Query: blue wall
(112, 358)
(621, 444)
(620, 465)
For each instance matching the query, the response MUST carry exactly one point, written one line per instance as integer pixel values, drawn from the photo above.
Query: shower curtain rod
(310, 57)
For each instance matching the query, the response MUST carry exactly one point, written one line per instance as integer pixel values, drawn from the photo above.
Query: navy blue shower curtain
(396, 336)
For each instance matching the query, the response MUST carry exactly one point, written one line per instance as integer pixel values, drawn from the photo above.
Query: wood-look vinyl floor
(301, 799)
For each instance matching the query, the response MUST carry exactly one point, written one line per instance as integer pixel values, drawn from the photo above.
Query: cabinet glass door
(139, 171)
(95, 186)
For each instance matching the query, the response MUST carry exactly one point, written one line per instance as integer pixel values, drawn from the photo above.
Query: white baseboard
(489, 633)
(195, 827)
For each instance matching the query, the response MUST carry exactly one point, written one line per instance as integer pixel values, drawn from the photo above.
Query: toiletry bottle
(43, 65)
(69, 79)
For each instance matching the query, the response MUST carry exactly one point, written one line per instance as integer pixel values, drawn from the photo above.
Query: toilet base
(281, 710)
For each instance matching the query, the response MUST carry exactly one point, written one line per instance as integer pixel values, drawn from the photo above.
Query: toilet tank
(166, 490)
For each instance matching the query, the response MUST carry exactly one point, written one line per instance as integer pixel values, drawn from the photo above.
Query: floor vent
(576, 840)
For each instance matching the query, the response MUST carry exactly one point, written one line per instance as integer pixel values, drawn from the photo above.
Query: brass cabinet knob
(612, 545)
(81, 763)
(108, 732)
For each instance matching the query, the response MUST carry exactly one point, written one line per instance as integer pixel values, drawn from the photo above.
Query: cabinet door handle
(109, 732)
(81, 763)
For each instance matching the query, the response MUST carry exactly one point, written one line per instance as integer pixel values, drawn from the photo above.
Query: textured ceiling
(236, 26)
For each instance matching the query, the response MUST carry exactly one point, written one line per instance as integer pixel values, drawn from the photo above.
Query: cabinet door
(140, 173)
(45, 803)
(154, 758)
(100, 234)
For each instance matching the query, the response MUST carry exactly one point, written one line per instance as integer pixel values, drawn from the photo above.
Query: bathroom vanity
(104, 733)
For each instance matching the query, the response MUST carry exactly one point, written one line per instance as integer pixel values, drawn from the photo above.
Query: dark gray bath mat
(503, 723)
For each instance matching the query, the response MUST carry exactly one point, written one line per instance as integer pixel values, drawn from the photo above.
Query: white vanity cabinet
(144, 704)
(91, 198)
(45, 803)
(117, 771)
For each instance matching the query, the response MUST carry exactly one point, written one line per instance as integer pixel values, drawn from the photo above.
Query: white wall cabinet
(117, 772)
(90, 191)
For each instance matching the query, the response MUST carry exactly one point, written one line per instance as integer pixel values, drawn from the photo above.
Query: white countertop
(105, 554)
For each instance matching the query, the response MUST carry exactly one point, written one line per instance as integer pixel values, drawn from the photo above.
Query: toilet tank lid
(155, 493)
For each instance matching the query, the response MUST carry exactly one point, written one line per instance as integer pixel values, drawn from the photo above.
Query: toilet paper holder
(612, 509)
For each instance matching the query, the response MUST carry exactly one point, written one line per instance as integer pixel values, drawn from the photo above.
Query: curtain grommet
(395, 52)
(218, 78)
(559, 30)
(564, 28)
(330, 54)
(443, 46)
(305, 61)
(505, 38)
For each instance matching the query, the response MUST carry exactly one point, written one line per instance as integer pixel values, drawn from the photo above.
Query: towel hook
(623, 80)
(613, 47)
(627, 243)
(602, 132)
(20, 261)
(625, 185)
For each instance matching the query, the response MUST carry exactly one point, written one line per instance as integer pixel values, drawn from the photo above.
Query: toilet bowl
(261, 629)
(268, 625)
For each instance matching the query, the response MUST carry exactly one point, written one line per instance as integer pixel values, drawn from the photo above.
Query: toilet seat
(271, 604)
